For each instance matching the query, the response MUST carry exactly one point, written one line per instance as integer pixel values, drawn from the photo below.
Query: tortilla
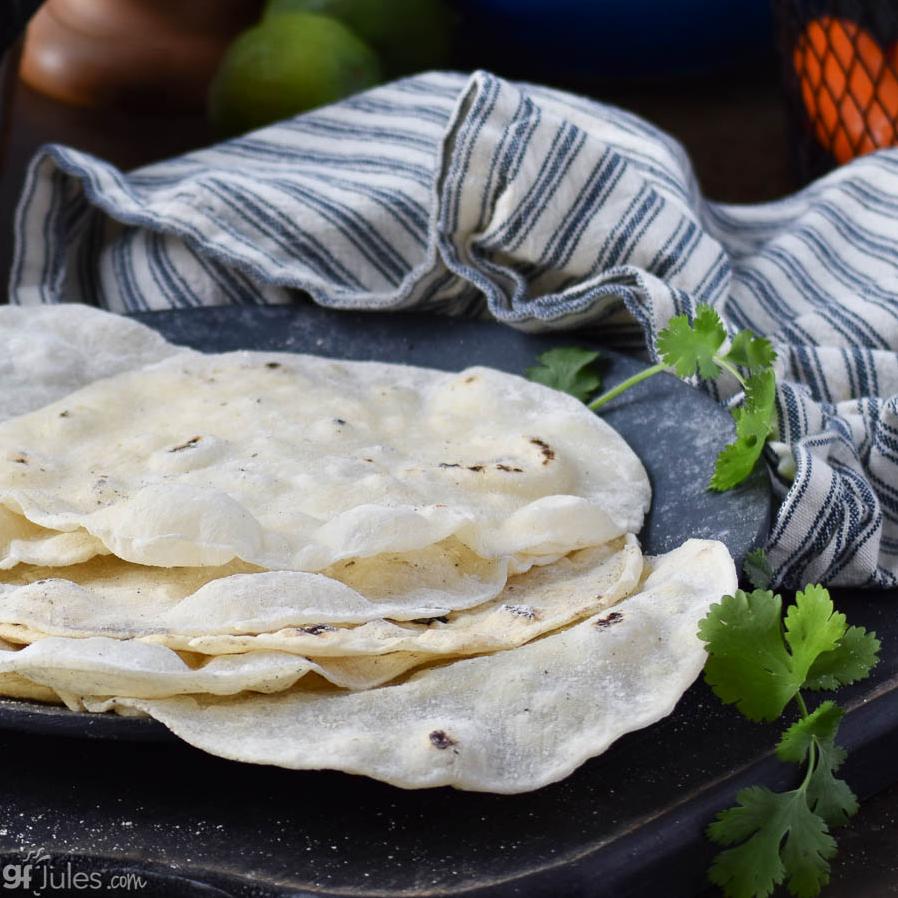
(111, 597)
(532, 604)
(47, 352)
(99, 666)
(303, 613)
(14, 686)
(295, 462)
(508, 722)
(374, 568)
(22, 542)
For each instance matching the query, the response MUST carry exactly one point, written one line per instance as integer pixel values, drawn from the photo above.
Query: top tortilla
(48, 351)
(296, 462)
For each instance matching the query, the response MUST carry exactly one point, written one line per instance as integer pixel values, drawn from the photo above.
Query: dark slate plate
(676, 430)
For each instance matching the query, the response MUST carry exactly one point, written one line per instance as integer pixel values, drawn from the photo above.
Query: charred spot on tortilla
(609, 620)
(318, 629)
(272, 365)
(509, 469)
(187, 444)
(454, 464)
(339, 422)
(427, 621)
(65, 413)
(442, 740)
(526, 611)
(548, 453)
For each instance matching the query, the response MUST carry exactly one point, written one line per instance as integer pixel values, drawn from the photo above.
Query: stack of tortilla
(429, 578)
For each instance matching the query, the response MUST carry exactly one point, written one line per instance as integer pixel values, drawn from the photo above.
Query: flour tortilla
(98, 666)
(101, 666)
(509, 722)
(111, 597)
(47, 352)
(296, 462)
(532, 604)
(246, 612)
(14, 686)
(22, 542)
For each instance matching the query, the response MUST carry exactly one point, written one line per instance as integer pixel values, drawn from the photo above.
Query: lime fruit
(285, 65)
(410, 35)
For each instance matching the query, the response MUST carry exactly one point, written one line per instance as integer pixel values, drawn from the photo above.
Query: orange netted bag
(848, 85)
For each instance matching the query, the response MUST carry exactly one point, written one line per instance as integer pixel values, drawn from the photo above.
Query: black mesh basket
(840, 62)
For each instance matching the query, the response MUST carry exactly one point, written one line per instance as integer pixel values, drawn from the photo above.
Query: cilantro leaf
(759, 662)
(828, 796)
(748, 664)
(812, 628)
(694, 347)
(851, 660)
(822, 723)
(806, 851)
(754, 423)
(776, 837)
(690, 348)
(749, 351)
(569, 369)
(757, 569)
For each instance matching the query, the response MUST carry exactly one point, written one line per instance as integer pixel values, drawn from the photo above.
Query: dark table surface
(735, 129)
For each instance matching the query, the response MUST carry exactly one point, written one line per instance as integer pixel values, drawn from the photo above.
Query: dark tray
(627, 823)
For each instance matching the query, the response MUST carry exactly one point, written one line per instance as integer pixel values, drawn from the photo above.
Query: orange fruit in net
(848, 85)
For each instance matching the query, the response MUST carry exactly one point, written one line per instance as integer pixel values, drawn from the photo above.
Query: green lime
(410, 35)
(286, 65)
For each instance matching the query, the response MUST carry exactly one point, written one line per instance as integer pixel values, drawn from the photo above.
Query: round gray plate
(676, 430)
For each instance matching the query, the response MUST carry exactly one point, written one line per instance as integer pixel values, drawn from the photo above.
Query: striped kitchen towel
(472, 195)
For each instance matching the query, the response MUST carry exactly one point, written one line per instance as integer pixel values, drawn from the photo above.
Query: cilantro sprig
(689, 349)
(761, 661)
(569, 369)
(758, 569)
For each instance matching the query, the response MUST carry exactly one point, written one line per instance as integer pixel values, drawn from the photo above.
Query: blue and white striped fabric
(546, 211)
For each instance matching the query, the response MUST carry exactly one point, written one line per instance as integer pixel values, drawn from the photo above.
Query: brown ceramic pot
(142, 54)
